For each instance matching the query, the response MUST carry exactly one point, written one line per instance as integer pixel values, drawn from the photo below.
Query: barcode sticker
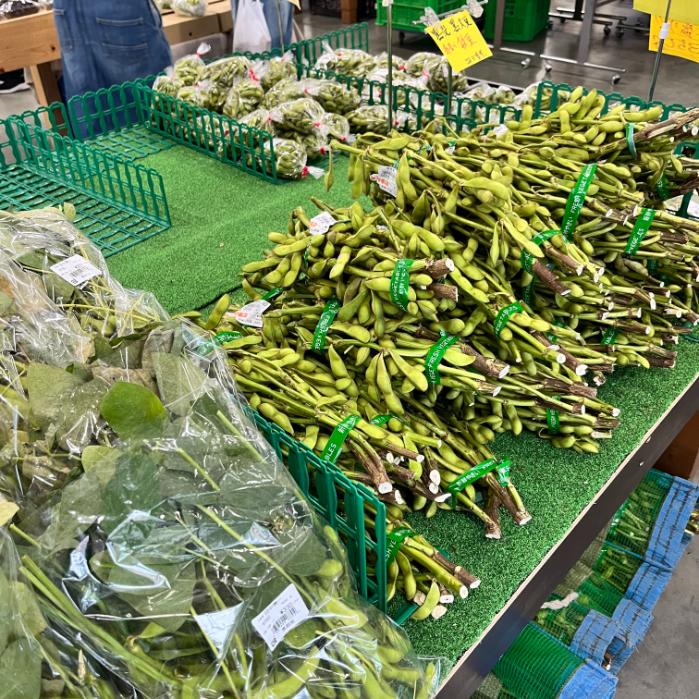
(251, 313)
(321, 223)
(285, 612)
(386, 178)
(76, 270)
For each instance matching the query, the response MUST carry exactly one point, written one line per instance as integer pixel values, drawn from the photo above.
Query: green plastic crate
(524, 19)
(118, 203)
(537, 665)
(341, 503)
(405, 12)
(633, 523)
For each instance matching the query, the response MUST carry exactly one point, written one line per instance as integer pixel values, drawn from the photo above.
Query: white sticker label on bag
(321, 223)
(285, 612)
(386, 179)
(76, 270)
(251, 313)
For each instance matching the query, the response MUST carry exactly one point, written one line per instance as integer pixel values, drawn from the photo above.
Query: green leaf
(20, 669)
(133, 411)
(78, 421)
(47, 387)
(180, 381)
(28, 608)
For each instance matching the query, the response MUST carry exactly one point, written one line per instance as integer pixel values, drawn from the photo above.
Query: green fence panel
(118, 203)
(343, 504)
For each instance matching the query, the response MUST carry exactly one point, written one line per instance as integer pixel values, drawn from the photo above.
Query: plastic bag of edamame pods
(189, 8)
(422, 63)
(179, 558)
(277, 69)
(189, 69)
(332, 96)
(205, 94)
(353, 62)
(283, 91)
(227, 71)
(337, 126)
(374, 118)
(243, 98)
(300, 115)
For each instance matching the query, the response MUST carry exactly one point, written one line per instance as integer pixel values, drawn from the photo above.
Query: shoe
(12, 82)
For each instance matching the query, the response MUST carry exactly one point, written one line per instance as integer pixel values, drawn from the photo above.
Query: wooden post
(348, 11)
(681, 458)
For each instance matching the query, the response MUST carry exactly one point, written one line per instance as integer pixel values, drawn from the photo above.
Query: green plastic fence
(118, 203)
(562, 623)
(134, 119)
(344, 505)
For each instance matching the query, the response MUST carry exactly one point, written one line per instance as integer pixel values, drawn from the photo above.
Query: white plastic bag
(250, 32)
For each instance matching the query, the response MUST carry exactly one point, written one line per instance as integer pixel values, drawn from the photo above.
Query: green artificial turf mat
(220, 220)
(555, 485)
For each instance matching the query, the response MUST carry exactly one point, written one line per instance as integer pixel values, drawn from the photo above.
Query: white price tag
(321, 223)
(76, 270)
(285, 612)
(251, 313)
(386, 178)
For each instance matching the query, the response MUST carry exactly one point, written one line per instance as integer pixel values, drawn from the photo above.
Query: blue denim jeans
(105, 42)
(274, 11)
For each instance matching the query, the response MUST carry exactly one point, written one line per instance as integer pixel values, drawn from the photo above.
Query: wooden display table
(32, 42)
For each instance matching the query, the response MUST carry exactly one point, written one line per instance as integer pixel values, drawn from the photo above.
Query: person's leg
(12, 81)
(279, 15)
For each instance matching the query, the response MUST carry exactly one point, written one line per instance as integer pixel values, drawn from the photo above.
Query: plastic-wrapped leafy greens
(283, 91)
(189, 8)
(189, 69)
(179, 559)
(345, 61)
(277, 69)
(301, 115)
(244, 97)
(332, 96)
(226, 71)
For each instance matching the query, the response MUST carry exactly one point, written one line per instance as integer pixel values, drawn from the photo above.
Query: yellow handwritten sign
(680, 10)
(459, 40)
(683, 40)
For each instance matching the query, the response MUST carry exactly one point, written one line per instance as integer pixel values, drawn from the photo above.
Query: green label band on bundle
(326, 319)
(662, 188)
(576, 200)
(222, 338)
(471, 476)
(393, 541)
(504, 315)
(630, 142)
(538, 239)
(272, 293)
(609, 336)
(434, 357)
(337, 438)
(400, 283)
(639, 231)
(553, 420)
(380, 419)
(528, 294)
(503, 472)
